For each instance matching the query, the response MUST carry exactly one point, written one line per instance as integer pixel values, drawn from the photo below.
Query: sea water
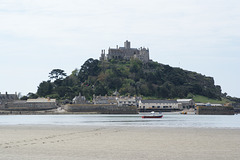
(168, 120)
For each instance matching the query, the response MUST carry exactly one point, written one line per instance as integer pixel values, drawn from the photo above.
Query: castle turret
(127, 44)
(103, 56)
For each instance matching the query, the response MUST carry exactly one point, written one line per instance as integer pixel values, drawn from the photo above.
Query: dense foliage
(128, 78)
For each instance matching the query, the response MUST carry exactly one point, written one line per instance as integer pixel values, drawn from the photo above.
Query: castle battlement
(126, 53)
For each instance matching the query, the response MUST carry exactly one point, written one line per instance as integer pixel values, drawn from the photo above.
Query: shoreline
(44, 112)
(111, 142)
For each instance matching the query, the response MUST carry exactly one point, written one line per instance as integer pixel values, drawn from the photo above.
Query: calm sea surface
(168, 120)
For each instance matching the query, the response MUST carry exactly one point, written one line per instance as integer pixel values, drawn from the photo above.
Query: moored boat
(159, 116)
(183, 112)
(153, 115)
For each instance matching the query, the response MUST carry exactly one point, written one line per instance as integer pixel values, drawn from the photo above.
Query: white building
(159, 104)
(186, 103)
(4, 98)
(209, 104)
(126, 101)
(79, 99)
(104, 99)
(41, 100)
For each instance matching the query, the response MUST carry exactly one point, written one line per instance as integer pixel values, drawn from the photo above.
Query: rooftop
(39, 100)
(159, 101)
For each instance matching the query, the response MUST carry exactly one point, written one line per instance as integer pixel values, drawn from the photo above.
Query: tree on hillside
(45, 88)
(89, 68)
(129, 78)
(32, 95)
(135, 66)
(57, 74)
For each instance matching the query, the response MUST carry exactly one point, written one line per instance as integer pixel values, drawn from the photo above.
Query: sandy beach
(96, 143)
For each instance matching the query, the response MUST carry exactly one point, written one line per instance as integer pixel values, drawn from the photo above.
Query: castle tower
(103, 56)
(127, 44)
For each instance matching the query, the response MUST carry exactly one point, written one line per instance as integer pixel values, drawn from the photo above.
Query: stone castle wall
(212, 110)
(30, 106)
(101, 108)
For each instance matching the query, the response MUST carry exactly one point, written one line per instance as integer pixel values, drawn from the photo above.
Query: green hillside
(202, 99)
(128, 78)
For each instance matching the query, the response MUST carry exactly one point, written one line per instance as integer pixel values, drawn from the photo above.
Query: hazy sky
(37, 36)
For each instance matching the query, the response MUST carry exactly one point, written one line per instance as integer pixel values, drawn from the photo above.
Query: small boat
(153, 115)
(183, 112)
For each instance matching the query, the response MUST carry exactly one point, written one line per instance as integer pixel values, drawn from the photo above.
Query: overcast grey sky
(37, 36)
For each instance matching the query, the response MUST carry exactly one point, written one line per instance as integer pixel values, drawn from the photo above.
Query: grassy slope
(202, 99)
(199, 99)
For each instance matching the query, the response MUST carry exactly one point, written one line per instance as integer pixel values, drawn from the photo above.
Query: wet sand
(117, 143)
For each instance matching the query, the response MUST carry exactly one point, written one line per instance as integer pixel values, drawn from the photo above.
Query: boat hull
(152, 116)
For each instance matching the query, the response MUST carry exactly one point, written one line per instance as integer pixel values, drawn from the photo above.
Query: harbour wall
(28, 106)
(158, 110)
(101, 108)
(236, 107)
(213, 110)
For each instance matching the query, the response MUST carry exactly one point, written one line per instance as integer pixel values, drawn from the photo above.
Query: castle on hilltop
(126, 53)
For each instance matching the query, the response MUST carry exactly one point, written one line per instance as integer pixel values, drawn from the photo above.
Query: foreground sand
(117, 143)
